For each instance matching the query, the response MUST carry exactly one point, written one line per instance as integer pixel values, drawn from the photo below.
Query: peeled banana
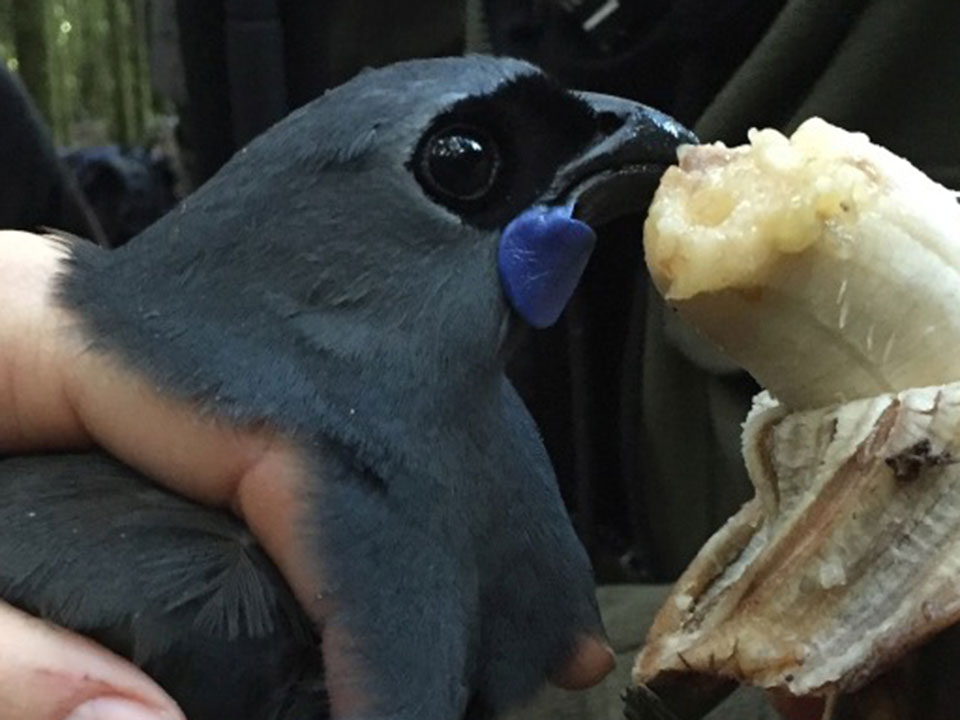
(829, 268)
(825, 265)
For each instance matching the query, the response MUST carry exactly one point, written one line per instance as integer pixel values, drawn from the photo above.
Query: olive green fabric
(888, 68)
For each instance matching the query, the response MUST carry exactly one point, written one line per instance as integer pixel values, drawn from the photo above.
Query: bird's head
(357, 262)
(433, 203)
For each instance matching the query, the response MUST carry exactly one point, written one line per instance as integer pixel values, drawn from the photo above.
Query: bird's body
(338, 282)
(159, 579)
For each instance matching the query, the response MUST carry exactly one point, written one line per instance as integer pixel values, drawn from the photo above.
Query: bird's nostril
(609, 122)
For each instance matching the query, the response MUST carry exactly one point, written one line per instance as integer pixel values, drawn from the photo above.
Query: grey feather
(89, 544)
(321, 286)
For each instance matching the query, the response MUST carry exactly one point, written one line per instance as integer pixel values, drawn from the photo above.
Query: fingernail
(591, 661)
(119, 709)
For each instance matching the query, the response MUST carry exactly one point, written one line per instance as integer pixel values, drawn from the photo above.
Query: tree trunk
(30, 40)
(122, 100)
(139, 69)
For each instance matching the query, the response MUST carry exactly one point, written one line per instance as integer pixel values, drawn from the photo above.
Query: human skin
(56, 394)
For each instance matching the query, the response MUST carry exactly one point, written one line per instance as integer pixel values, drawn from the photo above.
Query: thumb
(50, 674)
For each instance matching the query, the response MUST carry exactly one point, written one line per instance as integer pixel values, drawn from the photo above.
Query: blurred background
(86, 64)
(81, 92)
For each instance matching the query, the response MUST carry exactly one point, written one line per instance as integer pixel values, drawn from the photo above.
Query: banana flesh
(825, 265)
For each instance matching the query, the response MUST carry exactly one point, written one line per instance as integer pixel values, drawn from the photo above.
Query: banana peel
(829, 268)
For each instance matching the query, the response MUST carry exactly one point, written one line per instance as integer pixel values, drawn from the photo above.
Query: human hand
(56, 395)
(50, 674)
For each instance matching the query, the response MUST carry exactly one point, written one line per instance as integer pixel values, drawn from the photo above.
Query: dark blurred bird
(127, 188)
(36, 190)
(354, 279)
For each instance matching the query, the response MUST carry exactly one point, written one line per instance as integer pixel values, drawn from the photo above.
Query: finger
(68, 391)
(257, 474)
(57, 393)
(35, 409)
(254, 472)
(50, 674)
(591, 661)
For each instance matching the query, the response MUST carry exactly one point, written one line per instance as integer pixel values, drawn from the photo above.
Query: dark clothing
(247, 63)
(36, 191)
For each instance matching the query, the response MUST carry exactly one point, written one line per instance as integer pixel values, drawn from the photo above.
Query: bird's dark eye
(460, 162)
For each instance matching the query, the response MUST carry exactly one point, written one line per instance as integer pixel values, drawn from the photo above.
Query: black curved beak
(544, 251)
(619, 173)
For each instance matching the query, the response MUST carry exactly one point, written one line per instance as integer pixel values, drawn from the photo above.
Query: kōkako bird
(353, 280)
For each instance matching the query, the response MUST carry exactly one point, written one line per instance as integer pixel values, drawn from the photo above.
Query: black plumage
(338, 285)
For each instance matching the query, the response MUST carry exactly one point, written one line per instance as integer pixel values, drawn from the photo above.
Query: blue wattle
(542, 254)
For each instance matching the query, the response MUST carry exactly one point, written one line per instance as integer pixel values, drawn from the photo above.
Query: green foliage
(86, 65)
(7, 53)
